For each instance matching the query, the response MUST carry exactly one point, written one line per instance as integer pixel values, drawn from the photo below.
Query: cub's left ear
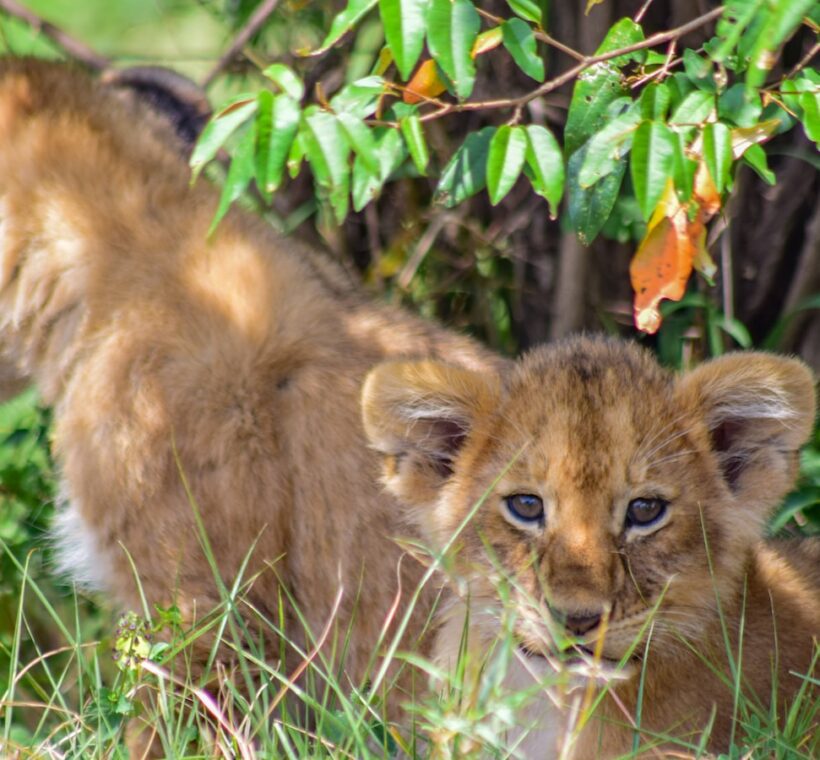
(759, 409)
(418, 414)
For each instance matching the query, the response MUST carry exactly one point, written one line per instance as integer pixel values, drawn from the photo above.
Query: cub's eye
(645, 511)
(525, 507)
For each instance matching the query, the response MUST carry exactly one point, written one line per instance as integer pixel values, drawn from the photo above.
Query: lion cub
(223, 379)
(625, 508)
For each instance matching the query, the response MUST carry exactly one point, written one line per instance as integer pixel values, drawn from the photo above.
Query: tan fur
(237, 361)
(588, 426)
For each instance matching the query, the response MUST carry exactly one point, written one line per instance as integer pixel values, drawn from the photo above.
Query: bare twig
(539, 35)
(644, 8)
(805, 60)
(663, 70)
(570, 74)
(254, 24)
(558, 45)
(76, 49)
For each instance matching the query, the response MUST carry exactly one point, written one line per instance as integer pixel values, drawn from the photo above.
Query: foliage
(680, 125)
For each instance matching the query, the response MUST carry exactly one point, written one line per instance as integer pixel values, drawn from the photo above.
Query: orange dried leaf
(663, 262)
(701, 260)
(705, 192)
(424, 84)
(744, 137)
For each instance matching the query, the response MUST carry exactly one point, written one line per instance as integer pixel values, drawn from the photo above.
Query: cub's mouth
(577, 654)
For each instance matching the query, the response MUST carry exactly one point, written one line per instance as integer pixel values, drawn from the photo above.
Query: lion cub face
(606, 492)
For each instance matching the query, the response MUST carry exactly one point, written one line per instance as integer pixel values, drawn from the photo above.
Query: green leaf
(519, 41)
(360, 139)
(589, 208)
(295, 156)
(694, 109)
(652, 163)
(594, 91)
(717, 153)
(699, 70)
(487, 41)
(275, 132)
(810, 103)
(413, 132)
(739, 106)
(684, 168)
(287, 80)
(219, 129)
(344, 22)
(240, 174)
(505, 161)
(784, 18)
(795, 503)
(359, 98)
(367, 185)
(621, 34)
(264, 130)
(731, 25)
(327, 150)
(607, 147)
(755, 157)
(546, 164)
(466, 172)
(529, 10)
(403, 22)
(654, 102)
(452, 28)
(736, 329)
(598, 86)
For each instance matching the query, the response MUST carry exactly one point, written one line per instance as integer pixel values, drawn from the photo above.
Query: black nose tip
(577, 624)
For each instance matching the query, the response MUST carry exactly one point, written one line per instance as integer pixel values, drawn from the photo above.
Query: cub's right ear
(419, 414)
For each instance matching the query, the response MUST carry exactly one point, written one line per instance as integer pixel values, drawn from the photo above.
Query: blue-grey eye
(526, 507)
(642, 511)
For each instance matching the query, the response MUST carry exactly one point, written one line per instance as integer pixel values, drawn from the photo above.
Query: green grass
(73, 678)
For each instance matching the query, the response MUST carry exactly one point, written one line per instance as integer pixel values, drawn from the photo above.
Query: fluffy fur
(588, 426)
(239, 363)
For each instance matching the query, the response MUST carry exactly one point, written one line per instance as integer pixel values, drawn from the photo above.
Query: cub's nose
(577, 623)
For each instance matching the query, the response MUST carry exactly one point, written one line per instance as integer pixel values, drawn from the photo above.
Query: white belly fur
(77, 552)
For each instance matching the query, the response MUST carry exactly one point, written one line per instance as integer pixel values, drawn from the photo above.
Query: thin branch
(538, 34)
(558, 45)
(663, 70)
(254, 24)
(570, 74)
(644, 8)
(76, 49)
(804, 61)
